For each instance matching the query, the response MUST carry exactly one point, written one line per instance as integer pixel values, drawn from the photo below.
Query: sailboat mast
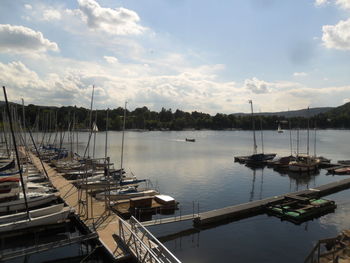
(122, 153)
(92, 100)
(308, 132)
(315, 140)
(24, 121)
(94, 130)
(290, 137)
(16, 150)
(253, 124)
(72, 135)
(106, 134)
(262, 136)
(298, 141)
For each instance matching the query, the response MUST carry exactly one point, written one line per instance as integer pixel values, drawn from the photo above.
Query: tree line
(52, 118)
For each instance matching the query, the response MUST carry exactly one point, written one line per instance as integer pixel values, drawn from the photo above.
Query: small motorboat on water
(190, 140)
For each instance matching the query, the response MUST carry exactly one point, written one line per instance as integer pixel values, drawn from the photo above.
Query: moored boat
(40, 217)
(303, 163)
(342, 171)
(33, 200)
(126, 193)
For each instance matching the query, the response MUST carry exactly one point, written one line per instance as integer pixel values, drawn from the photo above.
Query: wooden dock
(169, 220)
(99, 218)
(253, 208)
(249, 209)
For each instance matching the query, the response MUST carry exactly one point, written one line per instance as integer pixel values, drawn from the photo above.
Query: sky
(208, 56)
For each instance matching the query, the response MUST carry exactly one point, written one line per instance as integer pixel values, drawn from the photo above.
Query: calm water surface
(204, 172)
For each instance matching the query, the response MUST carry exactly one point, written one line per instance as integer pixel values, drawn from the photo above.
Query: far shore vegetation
(46, 118)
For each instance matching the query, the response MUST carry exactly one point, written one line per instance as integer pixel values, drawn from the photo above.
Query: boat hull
(54, 218)
(33, 201)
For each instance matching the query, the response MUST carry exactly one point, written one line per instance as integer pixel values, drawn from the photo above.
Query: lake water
(204, 172)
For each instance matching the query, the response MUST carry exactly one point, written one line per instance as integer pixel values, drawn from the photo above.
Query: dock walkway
(104, 222)
(245, 210)
(168, 220)
(256, 207)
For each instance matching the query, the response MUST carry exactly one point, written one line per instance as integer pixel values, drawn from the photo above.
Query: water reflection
(257, 172)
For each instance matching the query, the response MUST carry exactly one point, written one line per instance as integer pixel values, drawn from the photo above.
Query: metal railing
(178, 214)
(320, 251)
(142, 244)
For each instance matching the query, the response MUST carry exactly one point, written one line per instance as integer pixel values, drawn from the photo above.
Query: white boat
(32, 213)
(126, 193)
(39, 217)
(33, 200)
(165, 199)
(279, 130)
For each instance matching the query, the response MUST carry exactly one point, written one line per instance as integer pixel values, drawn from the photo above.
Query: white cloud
(344, 4)
(321, 2)
(190, 90)
(28, 7)
(70, 82)
(23, 82)
(118, 21)
(337, 36)
(111, 60)
(51, 14)
(299, 74)
(256, 86)
(20, 39)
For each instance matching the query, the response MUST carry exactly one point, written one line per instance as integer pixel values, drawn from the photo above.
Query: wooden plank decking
(104, 222)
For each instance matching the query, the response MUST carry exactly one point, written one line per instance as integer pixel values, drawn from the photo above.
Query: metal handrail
(170, 257)
(135, 236)
(317, 250)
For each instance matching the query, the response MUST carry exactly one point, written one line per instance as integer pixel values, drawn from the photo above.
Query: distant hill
(341, 110)
(295, 113)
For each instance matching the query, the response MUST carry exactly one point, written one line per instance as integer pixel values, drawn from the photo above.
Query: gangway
(142, 244)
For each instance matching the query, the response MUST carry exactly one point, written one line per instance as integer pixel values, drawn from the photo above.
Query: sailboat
(255, 158)
(43, 216)
(304, 162)
(279, 130)
(125, 190)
